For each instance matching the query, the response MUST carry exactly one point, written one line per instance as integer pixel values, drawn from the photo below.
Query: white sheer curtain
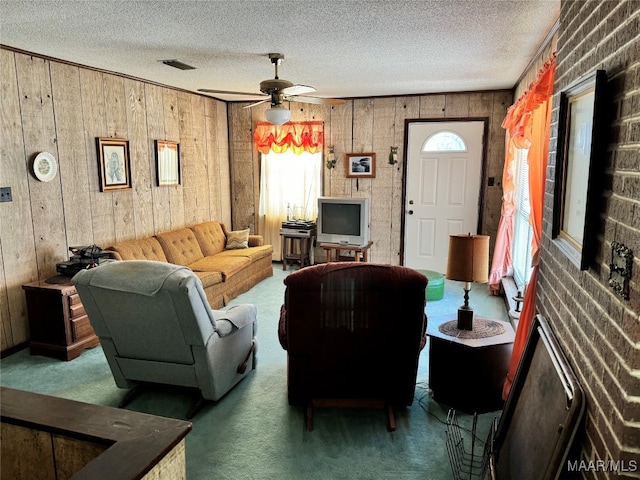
(289, 186)
(522, 229)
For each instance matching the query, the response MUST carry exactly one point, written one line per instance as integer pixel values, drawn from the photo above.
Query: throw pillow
(238, 239)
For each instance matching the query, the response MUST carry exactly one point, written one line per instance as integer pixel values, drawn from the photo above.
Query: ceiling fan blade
(298, 90)
(315, 100)
(227, 92)
(258, 103)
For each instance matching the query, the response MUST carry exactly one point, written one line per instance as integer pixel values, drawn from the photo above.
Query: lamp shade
(468, 259)
(277, 115)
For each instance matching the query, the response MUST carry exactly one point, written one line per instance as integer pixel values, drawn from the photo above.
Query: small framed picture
(114, 165)
(361, 165)
(167, 163)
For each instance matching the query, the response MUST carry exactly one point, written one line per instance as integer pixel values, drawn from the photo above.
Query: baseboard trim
(15, 349)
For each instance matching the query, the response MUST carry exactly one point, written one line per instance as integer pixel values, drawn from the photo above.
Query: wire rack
(470, 461)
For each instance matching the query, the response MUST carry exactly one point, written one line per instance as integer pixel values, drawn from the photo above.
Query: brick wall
(599, 332)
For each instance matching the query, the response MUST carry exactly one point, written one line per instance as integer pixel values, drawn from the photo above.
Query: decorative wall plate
(45, 167)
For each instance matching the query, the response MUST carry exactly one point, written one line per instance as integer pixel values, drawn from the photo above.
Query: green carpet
(252, 433)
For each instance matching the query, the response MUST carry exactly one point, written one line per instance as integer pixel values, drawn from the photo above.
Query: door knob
(410, 212)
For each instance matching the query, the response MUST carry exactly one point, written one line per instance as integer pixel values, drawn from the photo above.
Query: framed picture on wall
(361, 165)
(167, 163)
(581, 159)
(114, 165)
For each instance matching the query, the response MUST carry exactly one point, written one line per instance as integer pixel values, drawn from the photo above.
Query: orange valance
(518, 119)
(295, 136)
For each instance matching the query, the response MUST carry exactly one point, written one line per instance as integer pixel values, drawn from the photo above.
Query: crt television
(343, 221)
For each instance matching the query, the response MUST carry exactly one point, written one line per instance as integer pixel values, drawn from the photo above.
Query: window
(290, 185)
(444, 142)
(522, 229)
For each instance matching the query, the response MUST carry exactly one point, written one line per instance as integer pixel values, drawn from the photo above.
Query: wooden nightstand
(468, 374)
(58, 323)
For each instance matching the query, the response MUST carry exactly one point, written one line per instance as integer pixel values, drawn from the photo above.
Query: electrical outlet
(5, 194)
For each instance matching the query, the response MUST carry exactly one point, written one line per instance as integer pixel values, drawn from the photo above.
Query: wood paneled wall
(372, 125)
(60, 108)
(34, 453)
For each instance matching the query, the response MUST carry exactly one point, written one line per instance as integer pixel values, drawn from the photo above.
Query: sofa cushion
(209, 278)
(237, 239)
(227, 265)
(252, 253)
(210, 236)
(142, 249)
(180, 246)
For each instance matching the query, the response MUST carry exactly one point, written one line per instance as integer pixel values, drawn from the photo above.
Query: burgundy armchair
(353, 333)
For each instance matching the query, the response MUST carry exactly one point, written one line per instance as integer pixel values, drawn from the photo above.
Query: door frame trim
(483, 172)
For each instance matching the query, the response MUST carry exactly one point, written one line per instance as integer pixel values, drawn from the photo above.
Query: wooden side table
(304, 240)
(360, 252)
(468, 374)
(58, 323)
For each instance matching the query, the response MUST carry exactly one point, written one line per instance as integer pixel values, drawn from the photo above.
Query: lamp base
(465, 318)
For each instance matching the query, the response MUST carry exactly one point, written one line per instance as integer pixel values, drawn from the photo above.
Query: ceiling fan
(277, 91)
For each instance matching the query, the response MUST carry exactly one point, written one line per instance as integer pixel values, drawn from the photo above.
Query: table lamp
(468, 262)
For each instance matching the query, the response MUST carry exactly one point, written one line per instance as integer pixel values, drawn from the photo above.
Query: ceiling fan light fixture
(277, 114)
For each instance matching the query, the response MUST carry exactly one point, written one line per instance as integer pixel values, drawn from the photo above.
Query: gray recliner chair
(155, 326)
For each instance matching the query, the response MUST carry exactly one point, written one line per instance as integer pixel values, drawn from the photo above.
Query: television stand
(360, 252)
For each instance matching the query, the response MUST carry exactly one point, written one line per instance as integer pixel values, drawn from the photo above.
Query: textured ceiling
(343, 48)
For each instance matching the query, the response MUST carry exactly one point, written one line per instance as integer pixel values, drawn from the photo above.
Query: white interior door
(444, 171)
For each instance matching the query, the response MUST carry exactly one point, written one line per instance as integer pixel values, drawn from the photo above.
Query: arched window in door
(444, 141)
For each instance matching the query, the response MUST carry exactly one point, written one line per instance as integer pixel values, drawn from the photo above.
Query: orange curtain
(295, 136)
(528, 124)
(519, 134)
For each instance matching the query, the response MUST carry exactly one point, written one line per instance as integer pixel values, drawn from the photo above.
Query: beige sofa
(225, 272)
